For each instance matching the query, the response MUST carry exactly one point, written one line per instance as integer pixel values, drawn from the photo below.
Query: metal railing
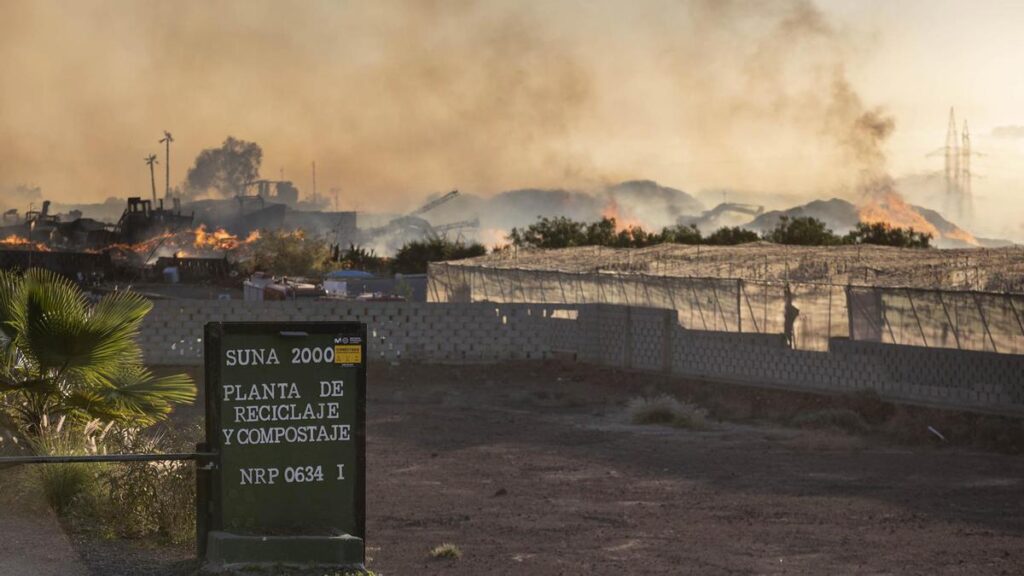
(203, 472)
(173, 456)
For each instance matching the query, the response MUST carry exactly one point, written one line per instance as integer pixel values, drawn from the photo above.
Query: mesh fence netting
(808, 313)
(938, 319)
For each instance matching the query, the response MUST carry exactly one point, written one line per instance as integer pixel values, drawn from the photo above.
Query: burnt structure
(139, 222)
(195, 269)
(414, 226)
(239, 215)
(142, 221)
(38, 225)
(281, 191)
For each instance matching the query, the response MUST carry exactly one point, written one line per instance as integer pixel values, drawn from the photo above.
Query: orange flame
(15, 241)
(963, 236)
(219, 239)
(144, 248)
(187, 243)
(622, 222)
(493, 237)
(890, 208)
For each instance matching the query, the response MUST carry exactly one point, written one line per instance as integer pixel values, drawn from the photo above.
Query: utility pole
(151, 160)
(966, 201)
(314, 182)
(166, 140)
(952, 166)
(335, 191)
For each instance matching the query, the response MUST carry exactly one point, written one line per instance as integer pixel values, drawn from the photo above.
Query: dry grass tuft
(446, 551)
(666, 410)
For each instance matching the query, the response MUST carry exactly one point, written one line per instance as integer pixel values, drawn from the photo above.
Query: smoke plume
(395, 99)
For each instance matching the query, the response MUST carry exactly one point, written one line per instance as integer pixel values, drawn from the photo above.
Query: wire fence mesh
(808, 313)
(938, 319)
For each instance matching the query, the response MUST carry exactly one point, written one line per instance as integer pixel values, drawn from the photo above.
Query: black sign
(285, 411)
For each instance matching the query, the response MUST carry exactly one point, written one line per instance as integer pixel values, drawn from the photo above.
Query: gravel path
(32, 540)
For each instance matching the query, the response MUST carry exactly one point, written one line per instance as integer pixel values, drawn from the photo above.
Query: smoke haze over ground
(397, 99)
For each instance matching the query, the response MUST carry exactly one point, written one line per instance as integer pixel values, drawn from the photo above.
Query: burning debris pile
(622, 222)
(489, 219)
(140, 222)
(216, 240)
(13, 241)
(890, 208)
(220, 240)
(142, 230)
(880, 205)
(143, 242)
(193, 243)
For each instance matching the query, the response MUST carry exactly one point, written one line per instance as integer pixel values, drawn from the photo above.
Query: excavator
(710, 218)
(413, 226)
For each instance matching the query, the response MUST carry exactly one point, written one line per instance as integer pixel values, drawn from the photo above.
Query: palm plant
(61, 357)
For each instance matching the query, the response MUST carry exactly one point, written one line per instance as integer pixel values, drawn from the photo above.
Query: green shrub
(562, 232)
(65, 358)
(801, 231)
(413, 258)
(66, 483)
(147, 499)
(726, 236)
(284, 253)
(885, 234)
(682, 234)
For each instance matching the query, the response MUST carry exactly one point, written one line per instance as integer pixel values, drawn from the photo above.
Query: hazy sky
(921, 57)
(395, 100)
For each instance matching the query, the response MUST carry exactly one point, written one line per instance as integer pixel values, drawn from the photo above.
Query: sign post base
(227, 550)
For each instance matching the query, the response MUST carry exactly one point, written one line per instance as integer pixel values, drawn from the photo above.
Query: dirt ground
(536, 469)
(533, 470)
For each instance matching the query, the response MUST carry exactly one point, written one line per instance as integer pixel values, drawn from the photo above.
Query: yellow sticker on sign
(348, 354)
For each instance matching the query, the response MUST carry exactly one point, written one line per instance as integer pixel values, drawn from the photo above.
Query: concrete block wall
(617, 336)
(936, 375)
(172, 334)
(562, 328)
(765, 359)
(604, 332)
(745, 357)
(649, 339)
(651, 335)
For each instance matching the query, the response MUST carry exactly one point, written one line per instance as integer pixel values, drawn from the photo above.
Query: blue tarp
(344, 274)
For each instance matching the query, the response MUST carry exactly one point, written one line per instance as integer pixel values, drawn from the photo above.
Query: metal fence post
(984, 322)
(849, 312)
(828, 326)
(202, 504)
(739, 306)
(920, 327)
